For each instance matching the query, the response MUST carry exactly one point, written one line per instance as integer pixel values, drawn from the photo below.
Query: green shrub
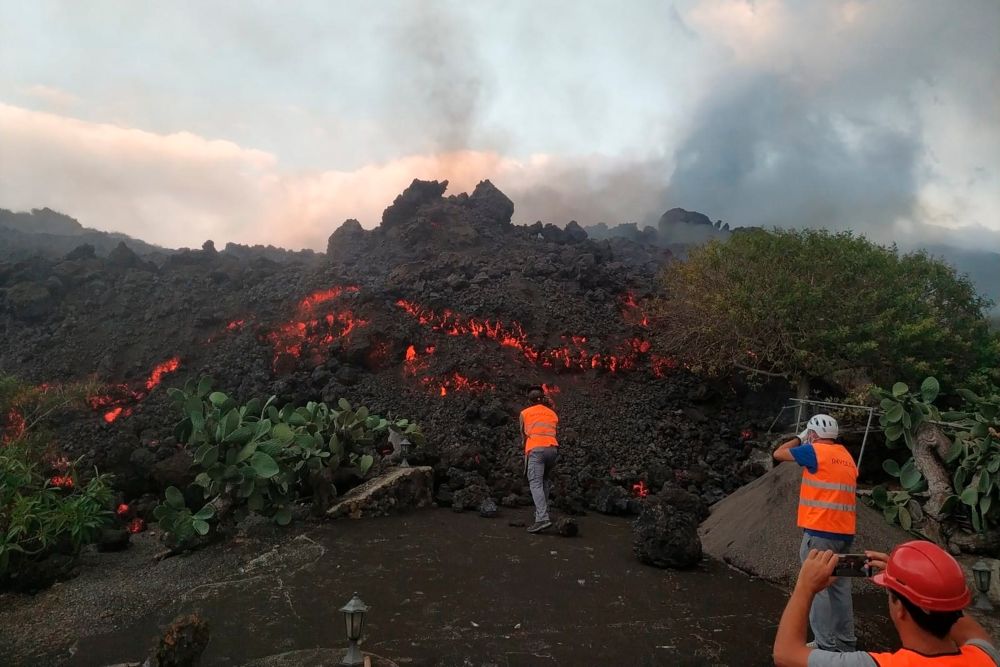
(260, 458)
(46, 505)
(973, 459)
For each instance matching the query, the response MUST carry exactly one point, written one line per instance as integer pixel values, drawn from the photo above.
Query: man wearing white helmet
(827, 518)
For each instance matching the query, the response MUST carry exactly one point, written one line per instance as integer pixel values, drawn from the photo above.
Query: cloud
(847, 115)
(52, 98)
(180, 189)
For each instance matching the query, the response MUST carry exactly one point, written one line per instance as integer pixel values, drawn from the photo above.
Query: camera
(852, 565)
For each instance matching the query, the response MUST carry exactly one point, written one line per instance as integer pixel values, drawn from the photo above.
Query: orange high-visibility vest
(539, 423)
(968, 656)
(826, 499)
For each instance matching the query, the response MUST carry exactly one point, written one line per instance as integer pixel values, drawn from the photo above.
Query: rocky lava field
(446, 313)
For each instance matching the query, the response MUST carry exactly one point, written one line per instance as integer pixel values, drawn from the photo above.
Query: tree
(810, 304)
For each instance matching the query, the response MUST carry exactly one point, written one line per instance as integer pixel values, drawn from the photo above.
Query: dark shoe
(539, 526)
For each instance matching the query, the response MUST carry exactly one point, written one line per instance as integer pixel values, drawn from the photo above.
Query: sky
(273, 122)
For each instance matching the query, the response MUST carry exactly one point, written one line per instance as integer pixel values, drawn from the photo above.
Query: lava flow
(573, 355)
(309, 330)
(119, 400)
(632, 312)
(458, 382)
(639, 489)
(14, 425)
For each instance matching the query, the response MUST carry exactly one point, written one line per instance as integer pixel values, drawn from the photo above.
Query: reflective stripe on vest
(969, 656)
(540, 423)
(827, 498)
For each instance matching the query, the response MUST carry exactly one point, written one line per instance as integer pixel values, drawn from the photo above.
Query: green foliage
(261, 457)
(46, 506)
(178, 521)
(809, 304)
(897, 506)
(974, 457)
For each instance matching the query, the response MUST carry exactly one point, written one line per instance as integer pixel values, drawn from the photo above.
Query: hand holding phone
(852, 565)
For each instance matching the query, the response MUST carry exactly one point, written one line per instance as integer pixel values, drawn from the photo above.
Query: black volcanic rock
(406, 205)
(489, 308)
(492, 203)
(666, 535)
(123, 257)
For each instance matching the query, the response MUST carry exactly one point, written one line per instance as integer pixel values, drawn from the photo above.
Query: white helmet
(824, 425)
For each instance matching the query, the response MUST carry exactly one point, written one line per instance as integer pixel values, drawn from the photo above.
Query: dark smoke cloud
(872, 125)
(763, 154)
(435, 79)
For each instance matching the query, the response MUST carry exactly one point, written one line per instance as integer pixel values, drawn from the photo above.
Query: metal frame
(799, 404)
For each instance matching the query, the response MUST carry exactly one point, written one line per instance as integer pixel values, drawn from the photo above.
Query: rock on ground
(666, 533)
(754, 529)
(397, 490)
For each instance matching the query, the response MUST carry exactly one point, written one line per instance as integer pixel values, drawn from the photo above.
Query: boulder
(567, 527)
(488, 508)
(492, 203)
(666, 535)
(113, 539)
(405, 206)
(611, 500)
(182, 644)
(29, 300)
(398, 490)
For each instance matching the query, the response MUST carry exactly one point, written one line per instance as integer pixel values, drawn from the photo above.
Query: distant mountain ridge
(49, 233)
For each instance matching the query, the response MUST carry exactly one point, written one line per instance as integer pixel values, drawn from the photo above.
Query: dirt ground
(444, 589)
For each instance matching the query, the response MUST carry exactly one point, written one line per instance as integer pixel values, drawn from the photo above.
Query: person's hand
(877, 559)
(817, 571)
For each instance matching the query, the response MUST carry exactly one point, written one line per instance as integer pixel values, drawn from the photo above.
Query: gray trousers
(539, 464)
(832, 614)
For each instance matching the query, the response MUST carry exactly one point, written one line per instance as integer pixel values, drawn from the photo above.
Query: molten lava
(62, 481)
(639, 489)
(661, 365)
(632, 312)
(118, 400)
(457, 382)
(550, 389)
(160, 370)
(309, 330)
(14, 425)
(573, 355)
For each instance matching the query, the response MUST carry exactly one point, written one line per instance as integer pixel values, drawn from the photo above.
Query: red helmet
(926, 575)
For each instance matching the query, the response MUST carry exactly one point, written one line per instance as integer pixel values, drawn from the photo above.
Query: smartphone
(852, 565)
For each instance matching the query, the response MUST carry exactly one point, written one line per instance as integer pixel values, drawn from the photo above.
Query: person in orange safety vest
(927, 592)
(541, 453)
(826, 516)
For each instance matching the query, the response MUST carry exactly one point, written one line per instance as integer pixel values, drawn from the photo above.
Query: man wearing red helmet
(927, 592)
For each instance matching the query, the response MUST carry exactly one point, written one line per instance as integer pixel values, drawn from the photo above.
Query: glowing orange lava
(118, 400)
(573, 355)
(639, 489)
(14, 425)
(309, 330)
(160, 370)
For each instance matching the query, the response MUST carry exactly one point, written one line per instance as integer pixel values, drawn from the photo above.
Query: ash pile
(446, 313)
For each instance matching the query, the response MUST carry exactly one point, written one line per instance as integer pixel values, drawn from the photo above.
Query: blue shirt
(805, 456)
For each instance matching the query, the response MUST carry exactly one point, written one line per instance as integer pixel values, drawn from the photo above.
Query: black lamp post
(982, 572)
(354, 616)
